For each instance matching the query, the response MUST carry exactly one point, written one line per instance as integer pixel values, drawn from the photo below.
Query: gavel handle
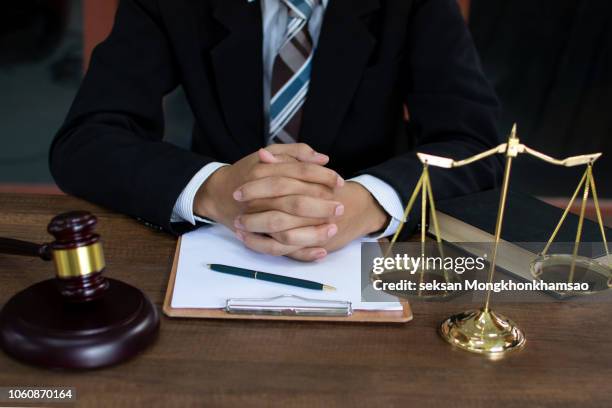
(23, 248)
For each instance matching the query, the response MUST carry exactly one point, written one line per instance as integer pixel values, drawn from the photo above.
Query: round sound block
(39, 327)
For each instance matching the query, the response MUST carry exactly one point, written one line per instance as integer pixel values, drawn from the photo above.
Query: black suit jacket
(373, 57)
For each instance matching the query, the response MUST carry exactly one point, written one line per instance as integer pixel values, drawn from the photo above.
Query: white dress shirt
(275, 16)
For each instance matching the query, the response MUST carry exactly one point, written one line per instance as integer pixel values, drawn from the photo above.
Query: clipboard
(274, 308)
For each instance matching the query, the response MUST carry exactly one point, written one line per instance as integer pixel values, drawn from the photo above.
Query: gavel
(79, 319)
(76, 252)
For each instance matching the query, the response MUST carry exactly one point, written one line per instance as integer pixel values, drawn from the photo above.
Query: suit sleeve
(453, 108)
(110, 149)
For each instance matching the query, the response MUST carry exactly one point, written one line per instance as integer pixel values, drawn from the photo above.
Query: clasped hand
(283, 201)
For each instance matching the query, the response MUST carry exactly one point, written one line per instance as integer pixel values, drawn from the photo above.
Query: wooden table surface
(567, 361)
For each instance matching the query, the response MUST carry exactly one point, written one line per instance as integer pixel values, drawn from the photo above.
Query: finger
(310, 236)
(308, 254)
(272, 221)
(265, 245)
(285, 158)
(300, 151)
(312, 173)
(270, 187)
(299, 205)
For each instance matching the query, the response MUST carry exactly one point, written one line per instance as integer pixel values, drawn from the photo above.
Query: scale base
(482, 332)
(39, 327)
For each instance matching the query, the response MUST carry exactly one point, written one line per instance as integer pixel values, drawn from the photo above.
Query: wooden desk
(567, 361)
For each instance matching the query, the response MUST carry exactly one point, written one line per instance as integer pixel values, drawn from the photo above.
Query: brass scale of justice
(484, 331)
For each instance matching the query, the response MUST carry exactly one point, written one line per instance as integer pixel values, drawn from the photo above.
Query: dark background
(550, 61)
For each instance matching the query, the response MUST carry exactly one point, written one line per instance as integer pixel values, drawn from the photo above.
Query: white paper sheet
(196, 286)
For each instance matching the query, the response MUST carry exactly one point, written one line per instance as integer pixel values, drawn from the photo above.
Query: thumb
(266, 157)
(300, 151)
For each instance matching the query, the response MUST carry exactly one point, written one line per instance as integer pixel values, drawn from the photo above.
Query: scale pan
(556, 268)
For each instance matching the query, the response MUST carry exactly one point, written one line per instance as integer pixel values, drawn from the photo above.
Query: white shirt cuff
(388, 199)
(183, 208)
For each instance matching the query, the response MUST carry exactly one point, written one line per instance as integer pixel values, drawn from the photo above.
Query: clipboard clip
(289, 305)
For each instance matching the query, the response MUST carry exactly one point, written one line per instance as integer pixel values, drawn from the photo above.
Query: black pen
(269, 277)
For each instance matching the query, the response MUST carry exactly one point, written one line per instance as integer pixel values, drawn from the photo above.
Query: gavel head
(78, 256)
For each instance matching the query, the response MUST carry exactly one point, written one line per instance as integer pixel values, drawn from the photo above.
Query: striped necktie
(291, 74)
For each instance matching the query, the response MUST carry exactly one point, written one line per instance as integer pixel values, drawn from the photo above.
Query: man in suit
(297, 106)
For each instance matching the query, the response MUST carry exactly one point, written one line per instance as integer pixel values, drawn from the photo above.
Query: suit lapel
(238, 64)
(344, 48)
